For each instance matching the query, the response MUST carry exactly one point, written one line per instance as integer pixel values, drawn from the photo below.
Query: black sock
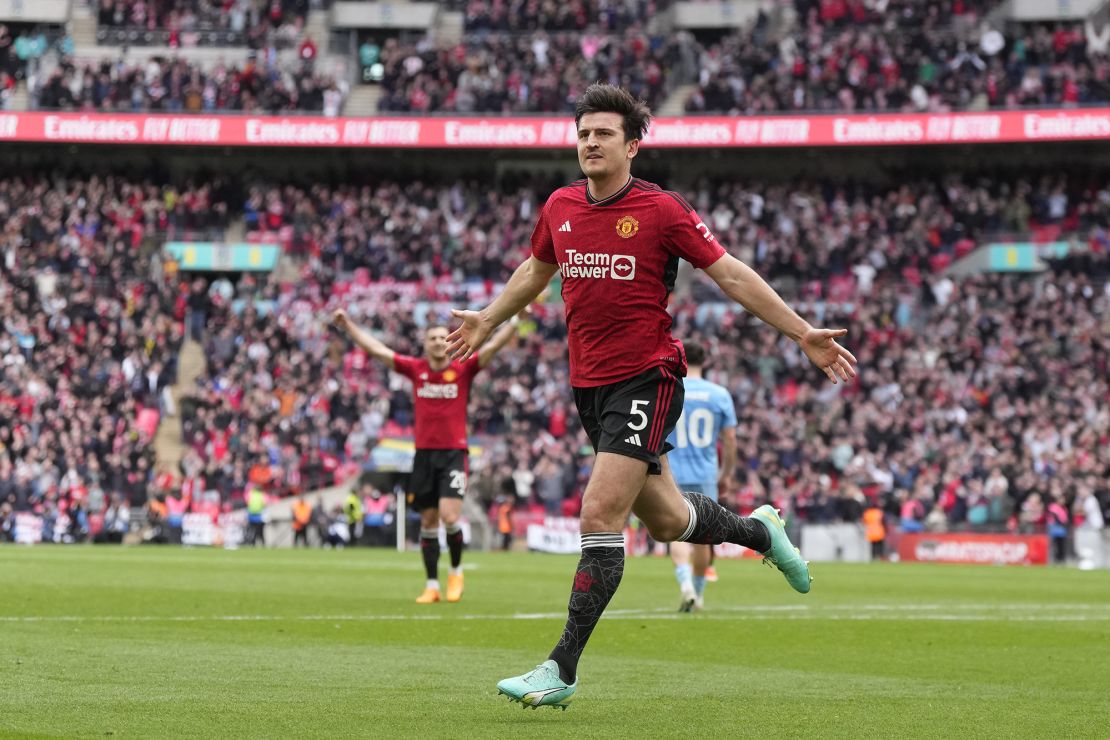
(455, 544)
(712, 524)
(599, 573)
(429, 548)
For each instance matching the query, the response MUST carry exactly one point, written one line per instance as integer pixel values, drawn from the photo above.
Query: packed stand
(801, 231)
(954, 397)
(902, 56)
(171, 84)
(609, 16)
(982, 401)
(511, 73)
(177, 23)
(404, 232)
(89, 336)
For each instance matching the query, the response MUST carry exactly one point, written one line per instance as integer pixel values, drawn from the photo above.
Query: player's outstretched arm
(373, 346)
(527, 282)
(743, 285)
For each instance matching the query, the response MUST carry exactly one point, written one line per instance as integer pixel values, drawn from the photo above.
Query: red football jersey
(439, 400)
(618, 258)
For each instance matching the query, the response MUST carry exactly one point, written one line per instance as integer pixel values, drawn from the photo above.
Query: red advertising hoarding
(1072, 124)
(985, 549)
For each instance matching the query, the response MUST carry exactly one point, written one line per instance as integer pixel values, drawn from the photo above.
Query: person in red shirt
(440, 389)
(617, 240)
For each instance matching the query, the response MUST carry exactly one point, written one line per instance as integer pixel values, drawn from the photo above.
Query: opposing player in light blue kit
(708, 417)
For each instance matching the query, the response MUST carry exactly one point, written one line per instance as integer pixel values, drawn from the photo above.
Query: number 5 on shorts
(637, 413)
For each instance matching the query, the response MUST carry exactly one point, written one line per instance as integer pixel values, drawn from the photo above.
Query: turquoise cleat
(783, 555)
(541, 687)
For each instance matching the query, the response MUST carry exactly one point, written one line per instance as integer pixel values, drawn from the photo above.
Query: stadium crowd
(89, 338)
(522, 73)
(979, 395)
(925, 60)
(172, 84)
(866, 257)
(258, 22)
(576, 15)
(888, 55)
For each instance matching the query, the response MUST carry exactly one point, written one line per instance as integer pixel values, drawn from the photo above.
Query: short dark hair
(695, 354)
(600, 98)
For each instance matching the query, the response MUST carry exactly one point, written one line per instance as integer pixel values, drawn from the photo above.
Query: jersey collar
(612, 198)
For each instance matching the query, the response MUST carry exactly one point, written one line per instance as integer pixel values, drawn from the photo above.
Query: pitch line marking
(873, 612)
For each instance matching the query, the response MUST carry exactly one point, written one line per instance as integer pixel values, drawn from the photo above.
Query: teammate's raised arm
(373, 346)
(744, 285)
(523, 287)
(500, 338)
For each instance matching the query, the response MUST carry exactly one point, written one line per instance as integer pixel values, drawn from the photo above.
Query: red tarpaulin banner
(989, 549)
(538, 133)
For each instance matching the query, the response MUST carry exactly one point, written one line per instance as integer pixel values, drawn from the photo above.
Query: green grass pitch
(131, 642)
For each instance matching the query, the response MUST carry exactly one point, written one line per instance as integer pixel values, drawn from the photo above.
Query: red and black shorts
(437, 474)
(633, 417)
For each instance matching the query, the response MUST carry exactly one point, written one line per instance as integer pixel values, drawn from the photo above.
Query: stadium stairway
(82, 25)
(20, 98)
(449, 26)
(317, 26)
(363, 100)
(675, 104)
(168, 445)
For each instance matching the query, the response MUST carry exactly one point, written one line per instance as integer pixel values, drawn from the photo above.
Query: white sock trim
(453, 528)
(431, 534)
(602, 539)
(693, 521)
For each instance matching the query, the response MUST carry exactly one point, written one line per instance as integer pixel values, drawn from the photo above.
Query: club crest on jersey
(449, 376)
(627, 227)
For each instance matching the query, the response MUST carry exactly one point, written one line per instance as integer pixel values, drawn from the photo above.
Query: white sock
(433, 583)
(455, 571)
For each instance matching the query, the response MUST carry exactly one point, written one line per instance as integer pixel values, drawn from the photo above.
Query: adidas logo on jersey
(565, 227)
(634, 440)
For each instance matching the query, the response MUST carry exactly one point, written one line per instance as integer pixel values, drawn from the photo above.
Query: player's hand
(340, 320)
(469, 336)
(821, 348)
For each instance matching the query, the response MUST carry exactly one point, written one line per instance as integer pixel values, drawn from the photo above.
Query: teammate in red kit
(441, 389)
(617, 241)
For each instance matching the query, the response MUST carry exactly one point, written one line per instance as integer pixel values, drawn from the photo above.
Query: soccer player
(617, 240)
(708, 417)
(441, 388)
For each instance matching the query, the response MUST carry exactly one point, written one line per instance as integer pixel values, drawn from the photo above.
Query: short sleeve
(685, 235)
(405, 365)
(727, 409)
(543, 246)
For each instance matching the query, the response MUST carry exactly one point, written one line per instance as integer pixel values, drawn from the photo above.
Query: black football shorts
(633, 417)
(437, 474)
